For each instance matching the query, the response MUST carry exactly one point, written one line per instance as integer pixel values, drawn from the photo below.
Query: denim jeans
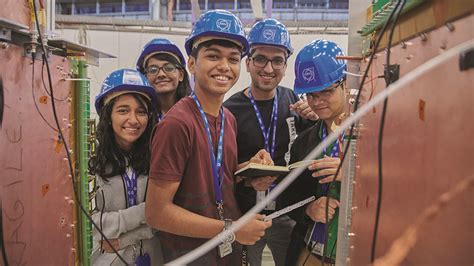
(277, 237)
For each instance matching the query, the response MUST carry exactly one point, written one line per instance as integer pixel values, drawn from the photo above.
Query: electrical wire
(372, 87)
(381, 130)
(71, 170)
(2, 242)
(34, 97)
(44, 85)
(2, 102)
(356, 106)
(101, 215)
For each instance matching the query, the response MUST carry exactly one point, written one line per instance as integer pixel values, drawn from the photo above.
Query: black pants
(296, 244)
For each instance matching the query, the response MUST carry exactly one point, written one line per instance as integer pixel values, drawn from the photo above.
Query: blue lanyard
(131, 187)
(216, 164)
(334, 152)
(319, 229)
(273, 123)
(160, 117)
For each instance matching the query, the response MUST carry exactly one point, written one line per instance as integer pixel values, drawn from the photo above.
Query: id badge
(225, 249)
(143, 260)
(312, 238)
(261, 195)
(318, 249)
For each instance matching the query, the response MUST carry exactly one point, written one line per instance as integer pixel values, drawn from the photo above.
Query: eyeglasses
(324, 94)
(261, 61)
(168, 68)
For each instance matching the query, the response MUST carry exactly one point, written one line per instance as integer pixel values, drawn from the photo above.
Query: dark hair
(109, 159)
(251, 52)
(220, 42)
(183, 89)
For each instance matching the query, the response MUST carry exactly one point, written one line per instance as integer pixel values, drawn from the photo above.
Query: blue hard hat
(156, 46)
(125, 81)
(270, 32)
(316, 66)
(218, 23)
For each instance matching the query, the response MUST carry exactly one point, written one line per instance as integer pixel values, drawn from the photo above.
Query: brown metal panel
(428, 16)
(15, 10)
(35, 189)
(427, 150)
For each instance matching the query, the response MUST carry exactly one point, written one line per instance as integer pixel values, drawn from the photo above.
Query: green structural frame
(379, 5)
(381, 11)
(82, 148)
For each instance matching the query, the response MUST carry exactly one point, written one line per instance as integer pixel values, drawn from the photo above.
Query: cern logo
(223, 24)
(308, 74)
(284, 38)
(132, 79)
(269, 35)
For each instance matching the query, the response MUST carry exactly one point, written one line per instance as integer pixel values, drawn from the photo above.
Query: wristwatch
(231, 237)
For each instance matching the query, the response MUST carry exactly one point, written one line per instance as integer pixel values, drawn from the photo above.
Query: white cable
(79, 79)
(352, 74)
(353, 92)
(401, 83)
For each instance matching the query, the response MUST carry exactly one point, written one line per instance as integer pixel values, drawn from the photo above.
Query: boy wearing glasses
(321, 77)
(264, 121)
(194, 152)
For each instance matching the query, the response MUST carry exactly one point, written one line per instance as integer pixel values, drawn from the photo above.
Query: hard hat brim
(256, 45)
(146, 91)
(240, 41)
(153, 49)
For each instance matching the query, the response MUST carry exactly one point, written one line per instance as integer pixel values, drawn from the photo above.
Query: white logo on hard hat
(269, 35)
(308, 74)
(131, 78)
(284, 38)
(223, 24)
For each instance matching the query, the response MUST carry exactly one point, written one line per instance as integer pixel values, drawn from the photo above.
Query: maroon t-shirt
(180, 152)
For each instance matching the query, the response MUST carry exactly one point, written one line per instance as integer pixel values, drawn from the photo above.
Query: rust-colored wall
(427, 150)
(16, 10)
(35, 189)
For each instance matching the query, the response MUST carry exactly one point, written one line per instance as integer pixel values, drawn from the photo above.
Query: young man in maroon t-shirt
(194, 152)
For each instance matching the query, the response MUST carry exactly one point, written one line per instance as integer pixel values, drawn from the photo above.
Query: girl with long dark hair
(126, 106)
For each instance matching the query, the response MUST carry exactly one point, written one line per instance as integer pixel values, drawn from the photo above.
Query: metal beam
(93, 20)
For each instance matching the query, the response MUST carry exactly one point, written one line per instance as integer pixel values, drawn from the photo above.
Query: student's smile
(129, 120)
(221, 65)
(224, 79)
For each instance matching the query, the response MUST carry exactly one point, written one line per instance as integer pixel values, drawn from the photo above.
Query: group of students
(177, 149)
